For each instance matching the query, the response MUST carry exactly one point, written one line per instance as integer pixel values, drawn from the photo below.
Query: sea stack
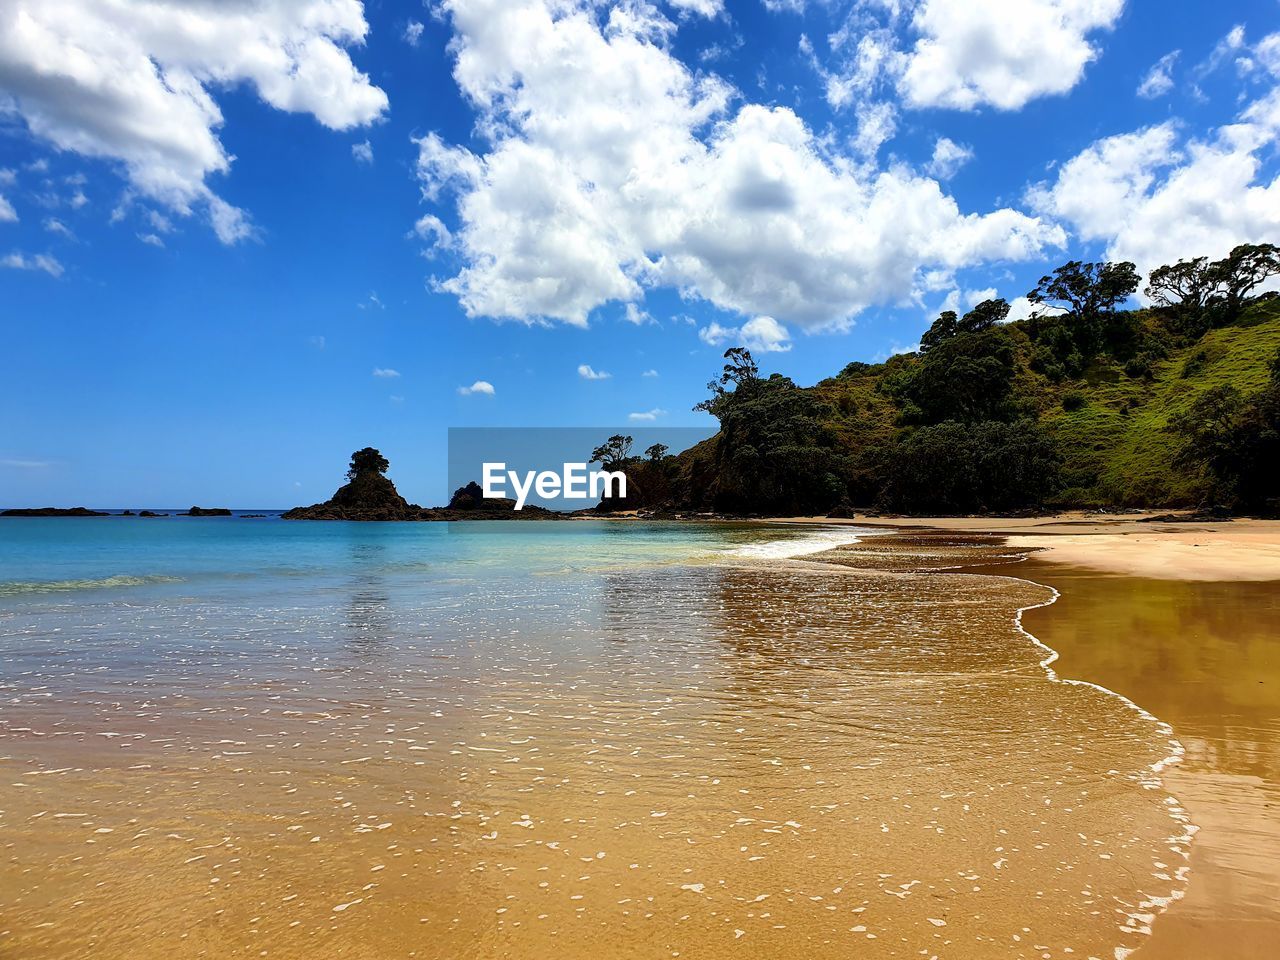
(368, 495)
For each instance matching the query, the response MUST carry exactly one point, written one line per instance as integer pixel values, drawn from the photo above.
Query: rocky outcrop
(207, 512)
(53, 512)
(370, 495)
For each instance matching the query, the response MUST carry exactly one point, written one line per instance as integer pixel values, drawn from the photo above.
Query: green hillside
(1177, 405)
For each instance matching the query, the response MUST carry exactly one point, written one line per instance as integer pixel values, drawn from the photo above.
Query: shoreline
(1185, 680)
(1129, 544)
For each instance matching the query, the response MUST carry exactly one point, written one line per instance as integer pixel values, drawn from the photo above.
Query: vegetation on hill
(1082, 404)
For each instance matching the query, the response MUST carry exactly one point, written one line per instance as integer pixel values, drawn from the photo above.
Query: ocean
(250, 737)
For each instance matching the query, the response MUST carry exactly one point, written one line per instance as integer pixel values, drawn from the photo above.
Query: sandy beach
(1133, 543)
(1177, 617)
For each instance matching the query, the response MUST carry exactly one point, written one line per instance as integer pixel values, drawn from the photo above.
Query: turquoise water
(230, 557)
(225, 737)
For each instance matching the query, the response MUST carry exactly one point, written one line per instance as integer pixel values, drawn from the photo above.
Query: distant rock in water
(151, 513)
(370, 495)
(471, 497)
(53, 512)
(207, 512)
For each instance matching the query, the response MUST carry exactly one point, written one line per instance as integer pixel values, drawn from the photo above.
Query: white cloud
(135, 82)
(434, 233)
(587, 373)
(612, 168)
(1000, 52)
(363, 152)
(1159, 79)
(948, 158)
(413, 32)
(7, 213)
(318, 342)
(637, 315)
(152, 240)
(1154, 196)
(159, 222)
(55, 226)
(706, 8)
(39, 261)
(877, 124)
(761, 334)
(647, 416)
(385, 373)
(650, 373)
(480, 386)
(8, 177)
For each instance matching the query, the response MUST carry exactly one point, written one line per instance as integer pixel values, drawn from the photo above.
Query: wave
(814, 541)
(14, 588)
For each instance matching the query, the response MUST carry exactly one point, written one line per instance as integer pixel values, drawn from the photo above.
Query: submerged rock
(53, 512)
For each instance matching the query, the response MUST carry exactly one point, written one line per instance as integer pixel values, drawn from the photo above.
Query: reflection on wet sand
(699, 761)
(1206, 658)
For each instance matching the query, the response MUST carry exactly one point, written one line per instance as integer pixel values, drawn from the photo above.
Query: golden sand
(707, 762)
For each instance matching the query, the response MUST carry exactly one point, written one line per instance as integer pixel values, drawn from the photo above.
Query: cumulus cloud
(948, 158)
(134, 83)
(480, 386)
(761, 334)
(413, 32)
(648, 416)
(386, 373)
(611, 168)
(1159, 79)
(649, 373)
(363, 152)
(39, 261)
(7, 213)
(706, 8)
(1001, 53)
(586, 372)
(1155, 195)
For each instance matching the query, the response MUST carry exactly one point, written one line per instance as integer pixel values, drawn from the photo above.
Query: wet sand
(770, 759)
(1137, 544)
(1204, 657)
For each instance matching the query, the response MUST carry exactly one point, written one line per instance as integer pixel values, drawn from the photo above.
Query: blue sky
(211, 291)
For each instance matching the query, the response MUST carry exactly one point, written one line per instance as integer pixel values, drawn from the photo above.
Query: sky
(240, 239)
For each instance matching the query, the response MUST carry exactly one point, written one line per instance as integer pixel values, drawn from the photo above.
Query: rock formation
(53, 512)
(370, 495)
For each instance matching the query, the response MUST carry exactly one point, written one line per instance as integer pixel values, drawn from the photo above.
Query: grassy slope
(1117, 448)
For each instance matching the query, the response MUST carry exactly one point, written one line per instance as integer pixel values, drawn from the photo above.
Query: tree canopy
(367, 460)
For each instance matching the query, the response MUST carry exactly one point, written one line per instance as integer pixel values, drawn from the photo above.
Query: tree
(968, 467)
(657, 452)
(613, 453)
(741, 371)
(982, 317)
(968, 377)
(1236, 439)
(1087, 289)
(1088, 293)
(365, 461)
(1187, 284)
(1239, 273)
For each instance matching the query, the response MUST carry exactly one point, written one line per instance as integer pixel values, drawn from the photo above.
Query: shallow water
(1206, 658)
(564, 740)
